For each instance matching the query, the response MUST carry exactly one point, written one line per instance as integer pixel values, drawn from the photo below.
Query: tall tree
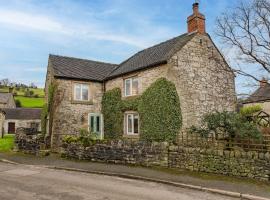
(246, 28)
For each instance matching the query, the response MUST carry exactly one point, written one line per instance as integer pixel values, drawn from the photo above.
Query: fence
(224, 142)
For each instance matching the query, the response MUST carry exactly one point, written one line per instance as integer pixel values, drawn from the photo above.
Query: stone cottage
(260, 97)
(203, 79)
(7, 100)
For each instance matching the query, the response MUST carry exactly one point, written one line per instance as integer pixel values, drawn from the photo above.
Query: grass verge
(29, 102)
(6, 143)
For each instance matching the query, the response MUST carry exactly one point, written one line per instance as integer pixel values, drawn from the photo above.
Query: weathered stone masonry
(231, 163)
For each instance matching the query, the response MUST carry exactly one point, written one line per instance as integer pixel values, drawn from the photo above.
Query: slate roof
(22, 113)
(261, 94)
(68, 67)
(158, 54)
(4, 97)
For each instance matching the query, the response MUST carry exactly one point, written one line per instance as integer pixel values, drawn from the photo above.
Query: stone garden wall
(231, 163)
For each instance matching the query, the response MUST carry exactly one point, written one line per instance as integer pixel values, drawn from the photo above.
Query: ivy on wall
(158, 107)
(160, 113)
(113, 117)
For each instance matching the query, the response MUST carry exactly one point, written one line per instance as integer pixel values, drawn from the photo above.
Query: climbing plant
(158, 107)
(113, 118)
(160, 113)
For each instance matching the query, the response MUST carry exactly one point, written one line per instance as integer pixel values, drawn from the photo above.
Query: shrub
(229, 123)
(250, 110)
(18, 103)
(36, 96)
(85, 138)
(113, 116)
(160, 113)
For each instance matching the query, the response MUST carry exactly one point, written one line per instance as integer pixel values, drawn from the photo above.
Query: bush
(18, 103)
(229, 124)
(113, 116)
(36, 96)
(160, 113)
(250, 110)
(85, 138)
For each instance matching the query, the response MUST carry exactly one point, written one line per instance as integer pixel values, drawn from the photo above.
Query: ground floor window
(132, 123)
(96, 124)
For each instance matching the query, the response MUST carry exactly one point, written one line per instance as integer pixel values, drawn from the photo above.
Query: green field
(29, 102)
(6, 143)
(20, 92)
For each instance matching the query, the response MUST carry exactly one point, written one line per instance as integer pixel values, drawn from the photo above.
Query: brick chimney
(263, 82)
(196, 22)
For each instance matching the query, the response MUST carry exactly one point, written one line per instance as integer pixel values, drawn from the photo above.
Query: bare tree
(246, 28)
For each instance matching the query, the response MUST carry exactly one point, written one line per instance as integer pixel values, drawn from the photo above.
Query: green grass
(20, 92)
(6, 143)
(29, 102)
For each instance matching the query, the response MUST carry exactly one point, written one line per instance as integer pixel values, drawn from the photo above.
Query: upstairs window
(81, 92)
(131, 86)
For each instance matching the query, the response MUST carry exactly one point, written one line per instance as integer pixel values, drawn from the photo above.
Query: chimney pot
(196, 22)
(263, 82)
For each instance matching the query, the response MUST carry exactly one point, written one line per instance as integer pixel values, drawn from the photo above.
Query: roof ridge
(125, 61)
(83, 59)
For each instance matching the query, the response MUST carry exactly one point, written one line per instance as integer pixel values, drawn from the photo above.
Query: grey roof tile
(68, 67)
(4, 97)
(22, 113)
(261, 94)
(152, 56)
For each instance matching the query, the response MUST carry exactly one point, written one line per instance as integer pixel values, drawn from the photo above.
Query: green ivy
(158, 107)
(113, 117)
(160, 113)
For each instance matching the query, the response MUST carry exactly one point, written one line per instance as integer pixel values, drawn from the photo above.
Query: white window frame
(101, 124)
(132, 119)
(82, 85)
(131, 86)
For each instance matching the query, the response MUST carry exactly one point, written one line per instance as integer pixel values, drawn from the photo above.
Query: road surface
(22, 182)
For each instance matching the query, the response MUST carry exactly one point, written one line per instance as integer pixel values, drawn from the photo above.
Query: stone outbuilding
(7, 100)
(203, 79)
(13, 118)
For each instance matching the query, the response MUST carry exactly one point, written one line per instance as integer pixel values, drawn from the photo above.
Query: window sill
(131, 97)
(82, 102)
(131, 136)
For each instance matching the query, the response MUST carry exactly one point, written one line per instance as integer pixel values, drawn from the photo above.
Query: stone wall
(69, 116)
(121, 152)
(230, 163)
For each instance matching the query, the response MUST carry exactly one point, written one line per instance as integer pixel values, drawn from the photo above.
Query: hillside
(27, 97)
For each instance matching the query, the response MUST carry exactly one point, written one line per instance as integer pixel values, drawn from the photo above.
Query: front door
(11, 127)
(96, 124)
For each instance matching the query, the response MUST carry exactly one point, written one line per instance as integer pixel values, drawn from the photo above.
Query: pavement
(199, 180)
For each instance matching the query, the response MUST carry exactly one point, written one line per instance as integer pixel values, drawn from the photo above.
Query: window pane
(98, 124)
(129, 122)
(128, 87)
(135, 86)
(92, 124)
(85, 94)
(136, 124)
(77, 92)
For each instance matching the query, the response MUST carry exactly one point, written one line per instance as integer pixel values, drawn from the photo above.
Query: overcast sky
(104, 30)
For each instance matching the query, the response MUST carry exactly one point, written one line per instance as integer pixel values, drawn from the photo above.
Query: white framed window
(131, 86)
(81, 92)
(132, 123)
(95, 121)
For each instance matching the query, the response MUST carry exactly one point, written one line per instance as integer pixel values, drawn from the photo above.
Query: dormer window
(131, 86)
(81, 92)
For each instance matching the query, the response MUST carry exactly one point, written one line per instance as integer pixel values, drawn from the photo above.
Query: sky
(103, 30)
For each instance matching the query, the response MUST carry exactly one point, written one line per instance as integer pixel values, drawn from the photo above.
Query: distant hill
(26, 97)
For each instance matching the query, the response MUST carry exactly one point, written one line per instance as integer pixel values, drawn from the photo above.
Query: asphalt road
(22, 182)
